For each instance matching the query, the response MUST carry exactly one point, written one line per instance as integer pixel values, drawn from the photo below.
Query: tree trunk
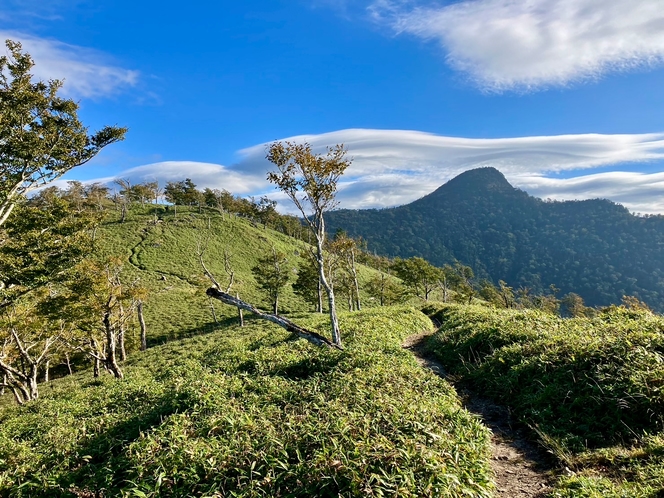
(121, 335)
(124, 213)
(239, 311)
(320, 298)
(111, 346)
(94, 348)
(309, 335)
(68, 363)
(214, 312)
(33, 386)
(141, 322)
(334, 321)
(356, 283)
(46, 369)
(275, 307)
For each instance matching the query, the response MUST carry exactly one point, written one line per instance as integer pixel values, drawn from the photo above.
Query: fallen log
(291, 327)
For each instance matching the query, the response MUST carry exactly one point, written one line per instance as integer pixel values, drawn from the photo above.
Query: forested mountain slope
(594, 248)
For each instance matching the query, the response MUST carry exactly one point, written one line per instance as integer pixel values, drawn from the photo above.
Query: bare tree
(28, 344)
(310, 181)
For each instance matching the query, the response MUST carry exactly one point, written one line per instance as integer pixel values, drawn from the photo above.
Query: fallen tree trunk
(310, 336)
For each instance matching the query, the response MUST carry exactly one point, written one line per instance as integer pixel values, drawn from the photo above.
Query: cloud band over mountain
(393, 167)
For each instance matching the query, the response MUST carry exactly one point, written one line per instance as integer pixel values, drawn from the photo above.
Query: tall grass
(591, 389)
(253, 412)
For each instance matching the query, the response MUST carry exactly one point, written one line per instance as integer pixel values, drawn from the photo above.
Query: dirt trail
(521, 469)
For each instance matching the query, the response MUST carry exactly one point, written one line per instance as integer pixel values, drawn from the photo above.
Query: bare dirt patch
(521, 468)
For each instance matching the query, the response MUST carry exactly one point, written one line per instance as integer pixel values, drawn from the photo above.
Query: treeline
(125, 195)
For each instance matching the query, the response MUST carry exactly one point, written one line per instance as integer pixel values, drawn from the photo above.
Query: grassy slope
(164, 258)
(250, 412)
(592, 389)
(245, 412)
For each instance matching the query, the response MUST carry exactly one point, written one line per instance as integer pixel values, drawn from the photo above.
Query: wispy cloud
(393, 167)
(85, 72)
(528, 44)
(202, 174)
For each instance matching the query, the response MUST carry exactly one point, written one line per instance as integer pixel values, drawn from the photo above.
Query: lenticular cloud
(528, 44)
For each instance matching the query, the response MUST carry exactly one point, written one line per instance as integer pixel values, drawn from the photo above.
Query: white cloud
(392, 167)
(526, 44)
(639, 192)
(202, 174)
(83, 70)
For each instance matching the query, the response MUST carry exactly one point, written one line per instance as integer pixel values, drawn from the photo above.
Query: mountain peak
(472, 183)
(487, 178)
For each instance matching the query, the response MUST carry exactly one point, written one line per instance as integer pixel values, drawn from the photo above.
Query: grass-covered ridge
(592, 389)
(164, 257)
(252, 412)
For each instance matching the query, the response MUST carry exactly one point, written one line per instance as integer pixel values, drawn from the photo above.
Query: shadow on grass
(104, 467)
(207, 328)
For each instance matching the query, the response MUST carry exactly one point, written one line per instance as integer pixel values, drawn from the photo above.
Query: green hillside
(594, 248)
(213, 409)
(243, 411)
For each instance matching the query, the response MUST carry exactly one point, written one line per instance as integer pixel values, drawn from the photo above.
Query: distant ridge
(595, 248)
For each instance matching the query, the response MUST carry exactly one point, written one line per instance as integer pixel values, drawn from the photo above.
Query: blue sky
(564, 96)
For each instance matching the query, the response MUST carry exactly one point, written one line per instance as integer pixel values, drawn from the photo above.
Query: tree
(102, 305)
(310, 181)
(345, 249)
(385, 288)
(29, 340)
(272, 274)
(38, 246)
(465, 288)
(41, 137)
(573, 305)
(418, 274)
(449, 279)
(183, 193)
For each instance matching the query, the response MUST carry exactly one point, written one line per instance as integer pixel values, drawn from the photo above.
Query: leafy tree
(345, 249)
(465, 288)
(310, 181)
(272, 274)
(102, 305)
(417, 274)
(182, 193)
(573, 305)
(490, 293)
(29, 341)
(41, 137)
(385, 288)
(45, 238)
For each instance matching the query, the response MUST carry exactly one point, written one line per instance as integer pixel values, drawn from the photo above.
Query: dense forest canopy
(595, 248)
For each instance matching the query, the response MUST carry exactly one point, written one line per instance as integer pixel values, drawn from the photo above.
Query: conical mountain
(595, 248)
